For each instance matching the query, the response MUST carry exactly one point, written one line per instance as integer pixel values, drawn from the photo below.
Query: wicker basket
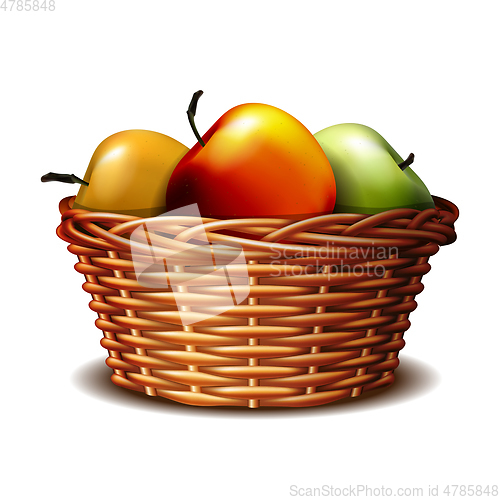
(307, 334)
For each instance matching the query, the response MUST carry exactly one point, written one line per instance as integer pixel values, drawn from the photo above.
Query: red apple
(255, 161)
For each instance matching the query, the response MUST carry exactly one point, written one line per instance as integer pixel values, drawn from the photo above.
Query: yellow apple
(129, 172)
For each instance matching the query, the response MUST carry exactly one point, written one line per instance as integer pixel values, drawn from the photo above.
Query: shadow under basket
(327, 303)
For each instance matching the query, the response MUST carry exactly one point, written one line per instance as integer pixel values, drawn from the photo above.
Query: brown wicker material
(307, 337)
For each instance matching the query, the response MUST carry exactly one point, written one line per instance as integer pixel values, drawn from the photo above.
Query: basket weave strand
(306, 335)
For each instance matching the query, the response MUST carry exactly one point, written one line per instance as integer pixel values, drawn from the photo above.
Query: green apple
(370, 176)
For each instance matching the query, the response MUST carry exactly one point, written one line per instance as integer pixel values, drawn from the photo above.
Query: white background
(425, 75)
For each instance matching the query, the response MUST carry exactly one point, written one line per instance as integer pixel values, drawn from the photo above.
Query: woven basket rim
(398, 228)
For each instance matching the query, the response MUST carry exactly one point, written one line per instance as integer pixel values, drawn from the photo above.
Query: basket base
(301, 401)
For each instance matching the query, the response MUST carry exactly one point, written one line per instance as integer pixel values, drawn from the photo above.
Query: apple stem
(191, 112)
(67, 178)
(407, 162)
